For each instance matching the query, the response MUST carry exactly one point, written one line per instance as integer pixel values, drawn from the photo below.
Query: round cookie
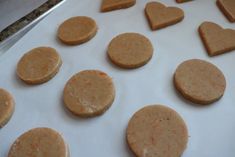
(199, 81)
(89, 93)
(39, 65)
(157, 131)
(130, 50)
(39, 142)
(77, 30)
(7, 107)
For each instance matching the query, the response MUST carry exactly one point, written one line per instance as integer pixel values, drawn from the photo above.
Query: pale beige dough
(216, 39)
(228, 8)
(160, 16)
(199, 81)
(39, 65)
(89, 93)
(39, 142)
(109, 5)
(130, 50)
(7, 107)
(157, 131)
(77, 30)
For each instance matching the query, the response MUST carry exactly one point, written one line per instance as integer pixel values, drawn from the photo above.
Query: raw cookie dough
(157, 131)
(160, 16)
(39, 65)
(130, 50)
(228, 8)
(7, 106)
(77, 30)
(199, 81)
(39, 142)
(109, 5)
(89, 93)
(182, 1)
(216, 39)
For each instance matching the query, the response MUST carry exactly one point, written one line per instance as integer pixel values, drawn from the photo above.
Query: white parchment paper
(211, 128)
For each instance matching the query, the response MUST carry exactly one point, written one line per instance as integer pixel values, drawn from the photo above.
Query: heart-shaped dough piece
(228, 8)
(216, 39)
(109, 5)
(160, 16)
(182, 1)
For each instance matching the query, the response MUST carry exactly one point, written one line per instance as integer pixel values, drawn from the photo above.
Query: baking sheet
(211, 128)
(13, 10)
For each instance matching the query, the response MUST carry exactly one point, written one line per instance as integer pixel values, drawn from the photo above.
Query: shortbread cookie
(228, 8)
(216, 39)
(160, 16)
(109, 5)
(130, 50)
(39, 142)
(199, 81)
(77, 30)
(7, 106)
(89, 93)
(157, 131)
(39, 65)
(182, 1)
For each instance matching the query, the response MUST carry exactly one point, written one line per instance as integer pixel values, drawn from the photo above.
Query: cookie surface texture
(39, 142)
(7, 106)
(77, 30)
(39, 65)
(130, 50)
(109, 5)
(89, 93)
(216, 39)
(160, 16)
(199, 81)
(157, 131)
(228, 8)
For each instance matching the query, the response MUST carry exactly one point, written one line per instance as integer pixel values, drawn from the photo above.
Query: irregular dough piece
(130, 50)
(39, 142)
(228, 8)
(109, 5)
(7, 107)
(39, 65)
(89, 93)
(157, 131)
(182, 1)
(160, 16)
(199, 81)
(216, 39)
(77, 30)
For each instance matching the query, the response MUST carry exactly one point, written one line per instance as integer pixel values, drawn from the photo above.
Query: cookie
(39, 142)
(182, 1)
(130, 50)
(7, 107)
(228, 8)
(39, 65)
(199, 81)
(77, 30)
(160, 16)
(109, 5)
(216, 39)
(157, 131)
(89, 93)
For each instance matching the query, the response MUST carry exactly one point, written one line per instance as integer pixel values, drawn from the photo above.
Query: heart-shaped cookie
(216, 39)
(109, 5)
(182, 1)
(228, 8)
(160, 16)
